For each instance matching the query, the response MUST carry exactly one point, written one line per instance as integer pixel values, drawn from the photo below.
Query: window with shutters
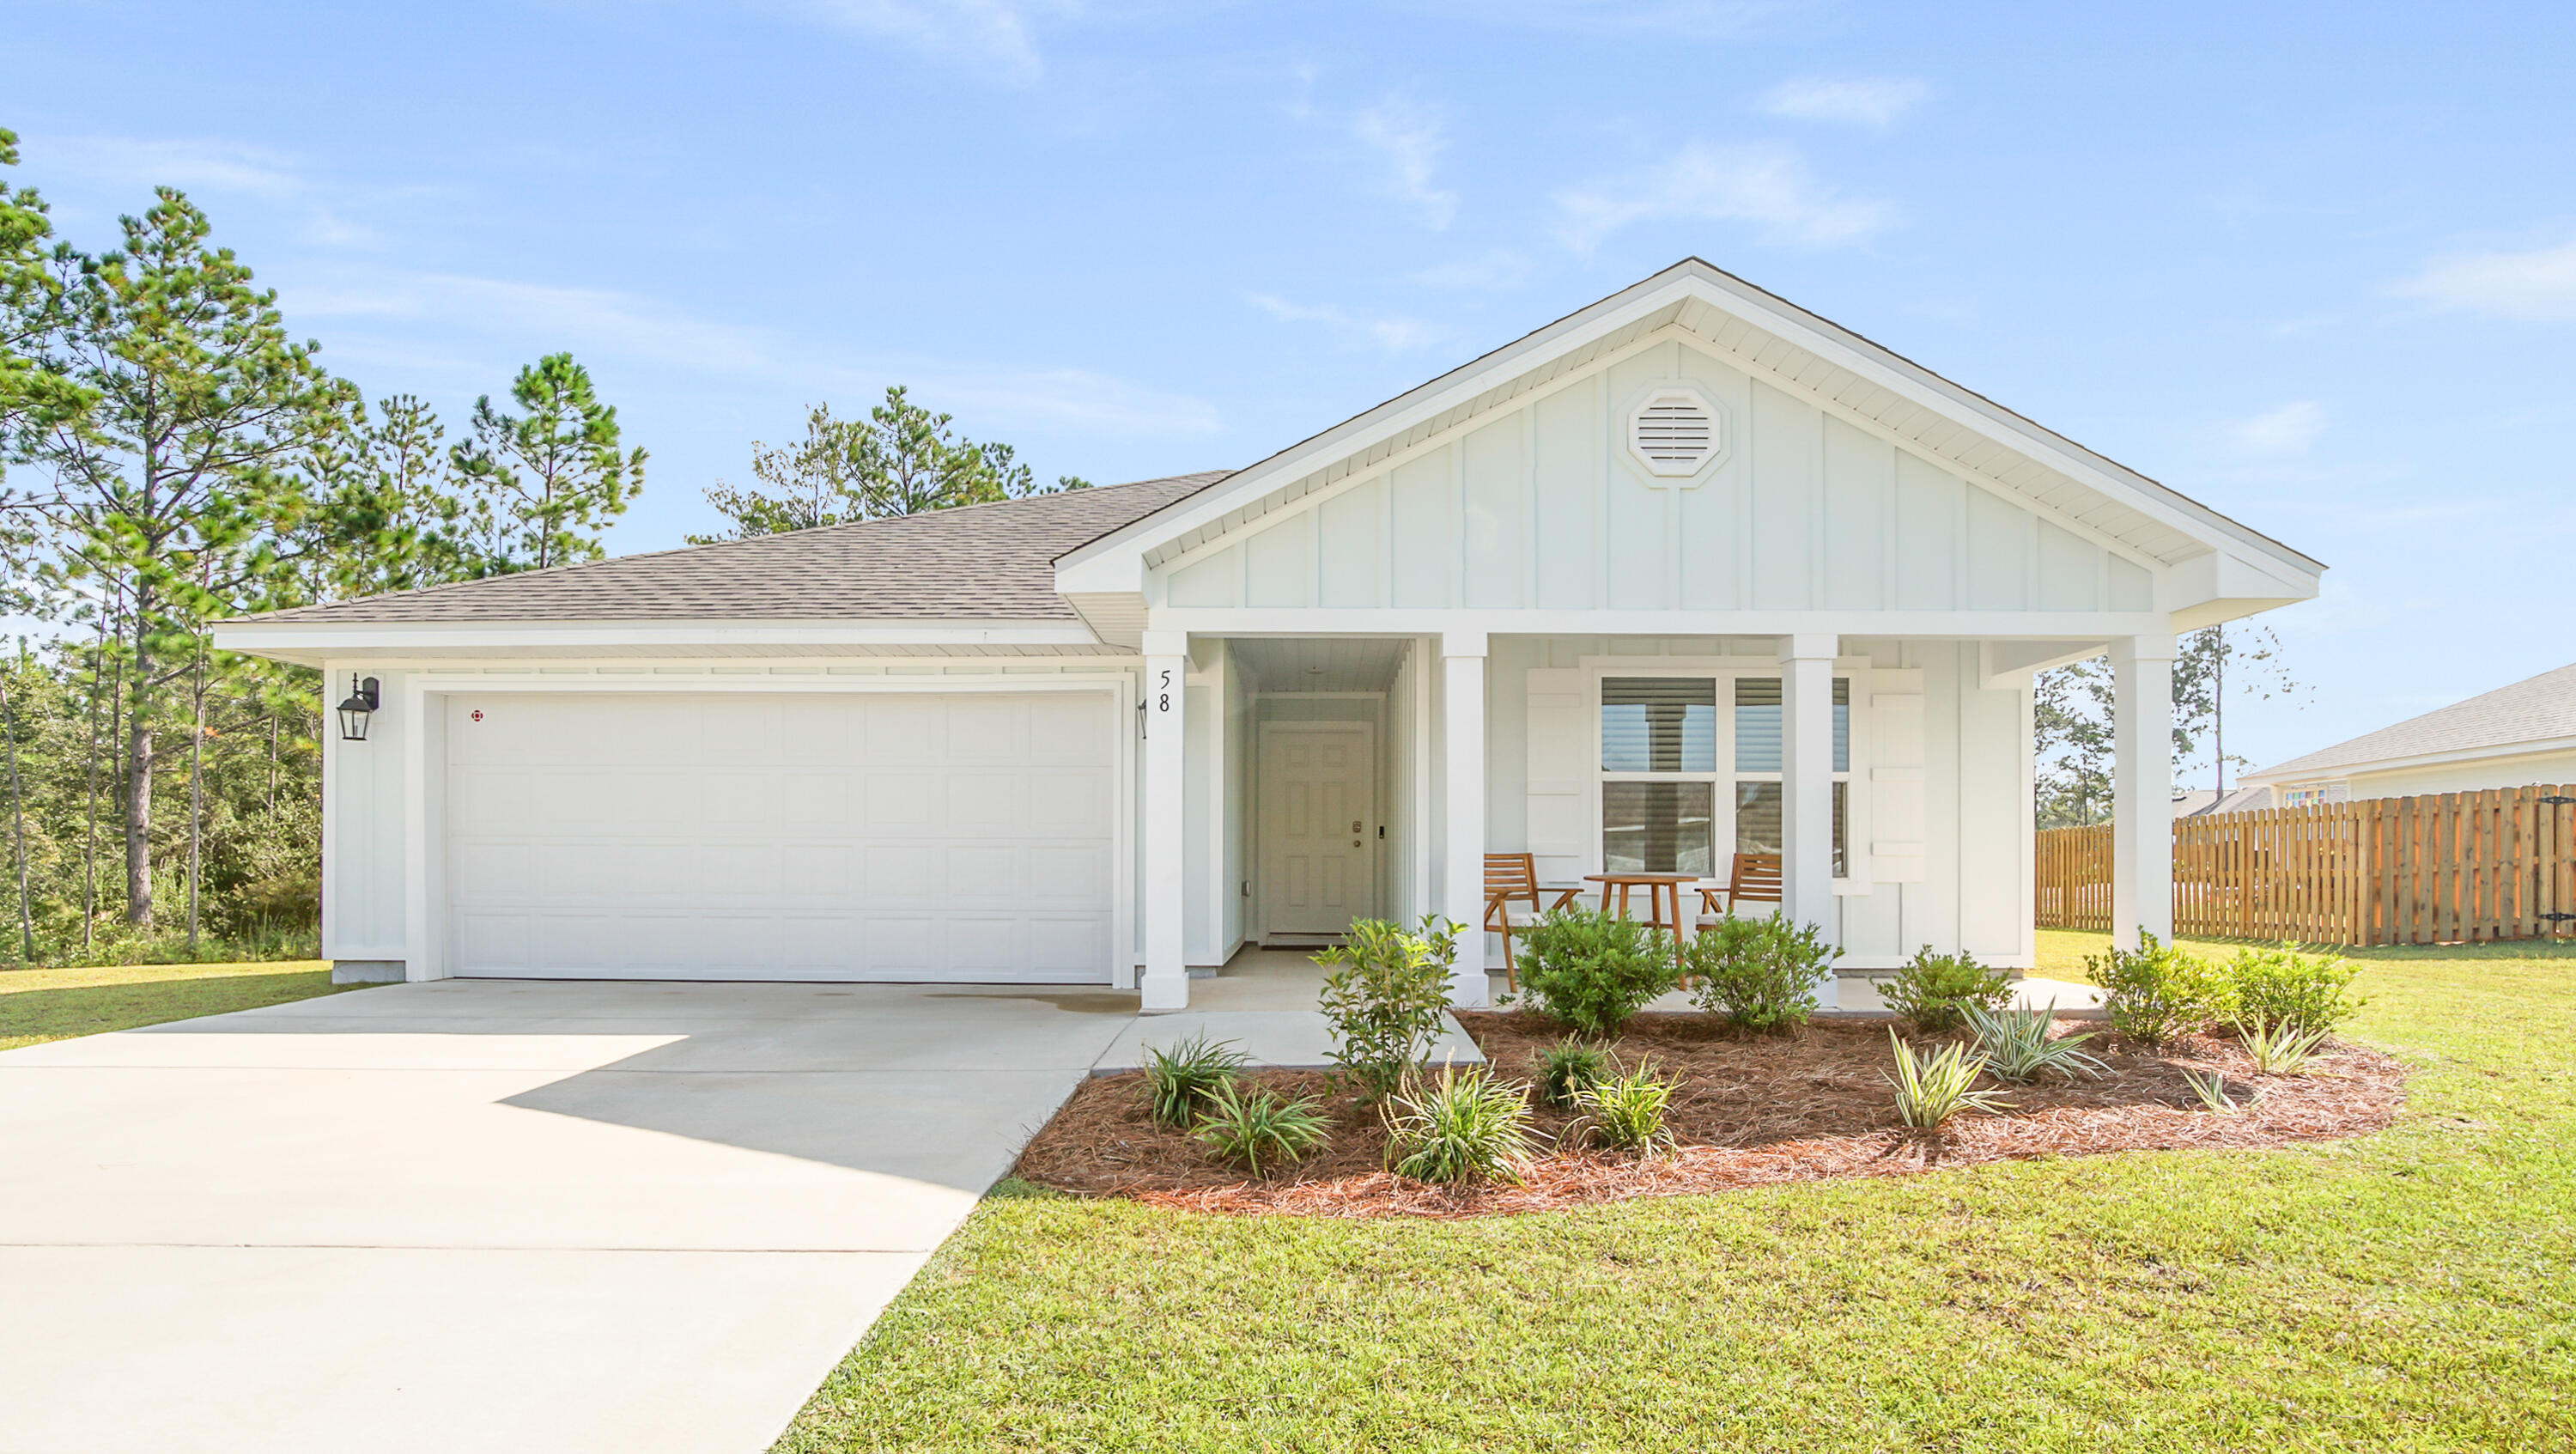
(1683, 789)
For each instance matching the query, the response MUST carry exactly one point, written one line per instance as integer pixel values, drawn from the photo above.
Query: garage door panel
(930, 836)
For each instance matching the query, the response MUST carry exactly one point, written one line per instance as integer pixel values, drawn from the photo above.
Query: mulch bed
(1753, 1112)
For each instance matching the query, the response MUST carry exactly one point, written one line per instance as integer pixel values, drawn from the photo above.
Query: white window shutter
(1560, 773)
(1896, 829)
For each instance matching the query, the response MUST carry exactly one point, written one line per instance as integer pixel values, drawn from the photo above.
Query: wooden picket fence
(2439, 869)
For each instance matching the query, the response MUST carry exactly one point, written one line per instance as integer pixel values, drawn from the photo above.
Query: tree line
(171, 455)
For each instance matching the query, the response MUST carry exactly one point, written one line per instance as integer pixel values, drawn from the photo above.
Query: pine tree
(545, 483)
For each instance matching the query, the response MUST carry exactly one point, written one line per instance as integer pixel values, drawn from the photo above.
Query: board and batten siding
(1939, 797)
(1541, 507)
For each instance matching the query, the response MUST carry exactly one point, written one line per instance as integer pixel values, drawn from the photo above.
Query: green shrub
(1627, 1112)
(1568, 1066)
(2282, 1049)
(1592, 970)
(1387, 998)
(1931, 1090)
(2276, 987)
(1250, 1128)
(1933, 991)
(1464, 1127)
(2019, 1044)
(2156, 994)
(1761, 974)
(1180, 1079)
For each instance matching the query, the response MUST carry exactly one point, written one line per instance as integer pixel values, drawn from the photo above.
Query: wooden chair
(1755, 876)
(1510, 879)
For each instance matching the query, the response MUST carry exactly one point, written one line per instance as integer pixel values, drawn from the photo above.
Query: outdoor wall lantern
(355, 712)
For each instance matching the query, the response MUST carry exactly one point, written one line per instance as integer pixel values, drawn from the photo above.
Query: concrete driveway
(496, 1216)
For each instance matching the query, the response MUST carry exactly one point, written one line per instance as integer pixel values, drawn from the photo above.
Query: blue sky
(2313, 265)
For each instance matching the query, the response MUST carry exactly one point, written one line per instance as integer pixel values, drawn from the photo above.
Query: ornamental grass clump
(2282, 1049)
(2020, 1044)
(1387, 999)
(1590, 970)
(1568, 1066)
(1627, 1112)
(1759, 974)
(2210, 1089)
(1934, 992)
(1931, 1090)
(2276, 987)
(1181, 1078)
(1464, 1127)
(1253, 1128)
(2156, 994)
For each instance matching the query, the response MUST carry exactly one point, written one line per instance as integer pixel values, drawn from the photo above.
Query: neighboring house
(2511, 737)
(1689, 572)
(2201, 802)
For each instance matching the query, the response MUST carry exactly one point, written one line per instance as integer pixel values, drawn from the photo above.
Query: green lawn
(37, 1005)
(2412, 1290)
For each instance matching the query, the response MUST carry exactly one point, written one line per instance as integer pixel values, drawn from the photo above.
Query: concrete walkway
(496, 1216)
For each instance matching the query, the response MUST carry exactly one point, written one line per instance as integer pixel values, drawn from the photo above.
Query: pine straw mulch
(1753, 1112)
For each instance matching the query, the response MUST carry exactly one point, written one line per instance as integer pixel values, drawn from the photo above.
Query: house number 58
(1163, 692)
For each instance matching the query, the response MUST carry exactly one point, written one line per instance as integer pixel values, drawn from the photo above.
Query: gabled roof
(2531, 713)
(973, 563)
(1775, 340)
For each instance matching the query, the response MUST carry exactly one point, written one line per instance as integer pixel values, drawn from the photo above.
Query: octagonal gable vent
(1674, 432)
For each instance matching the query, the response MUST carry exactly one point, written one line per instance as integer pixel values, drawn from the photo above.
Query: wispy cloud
(991, 37)
(1866, 102)
(1690, 19)
(2289, 429)
(538, 315)
(1410, 137)
(1393, 333)
(1765, 184)
(1498, 271)
(1074, 399)
(2538, 285)
(193, 164)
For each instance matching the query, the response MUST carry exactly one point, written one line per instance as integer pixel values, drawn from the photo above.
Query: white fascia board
(2490, 753)
(1115, 562)
(2086, 627)
(311, 641)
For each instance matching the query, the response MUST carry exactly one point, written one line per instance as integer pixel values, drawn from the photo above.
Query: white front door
(1318, 826)
(961, 836)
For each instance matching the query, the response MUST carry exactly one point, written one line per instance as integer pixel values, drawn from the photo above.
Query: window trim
(1725, 670)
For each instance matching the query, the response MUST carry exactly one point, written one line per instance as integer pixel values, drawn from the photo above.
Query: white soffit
(1775, 341)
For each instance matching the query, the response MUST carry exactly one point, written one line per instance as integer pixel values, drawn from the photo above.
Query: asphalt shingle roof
(2535, 710)
(977, 562)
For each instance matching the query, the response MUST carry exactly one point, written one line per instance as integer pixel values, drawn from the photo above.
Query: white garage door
(893, 836)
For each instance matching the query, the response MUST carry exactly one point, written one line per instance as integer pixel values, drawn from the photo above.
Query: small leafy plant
(1627, 1112)
(1931, 1090)
(1760, 974)
(2156, 994)
(2210, 1089)
(1933, 992)
(1567, 1067)
(1464, 1127)
(2281, 1049)
(1591, 970)
(1387, 998)
(2276, 987)
(1181, 1078)
(1253, 1128)
(2018, 1044)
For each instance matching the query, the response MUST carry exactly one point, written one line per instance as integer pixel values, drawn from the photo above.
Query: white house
(1690, 572)
(2512, 737)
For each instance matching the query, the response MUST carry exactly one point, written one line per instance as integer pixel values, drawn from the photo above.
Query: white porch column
(1807, 785)
(1462, 893)
(1166, 982)
(2141, 788)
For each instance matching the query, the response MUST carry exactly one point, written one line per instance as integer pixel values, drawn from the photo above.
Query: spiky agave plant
(2282, 1049)
(1932, 1089)
(1181, 1078)
(1464, 1127)
(2019, 1044)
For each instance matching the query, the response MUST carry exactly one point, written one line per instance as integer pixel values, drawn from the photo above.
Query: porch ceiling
(1320, 664)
